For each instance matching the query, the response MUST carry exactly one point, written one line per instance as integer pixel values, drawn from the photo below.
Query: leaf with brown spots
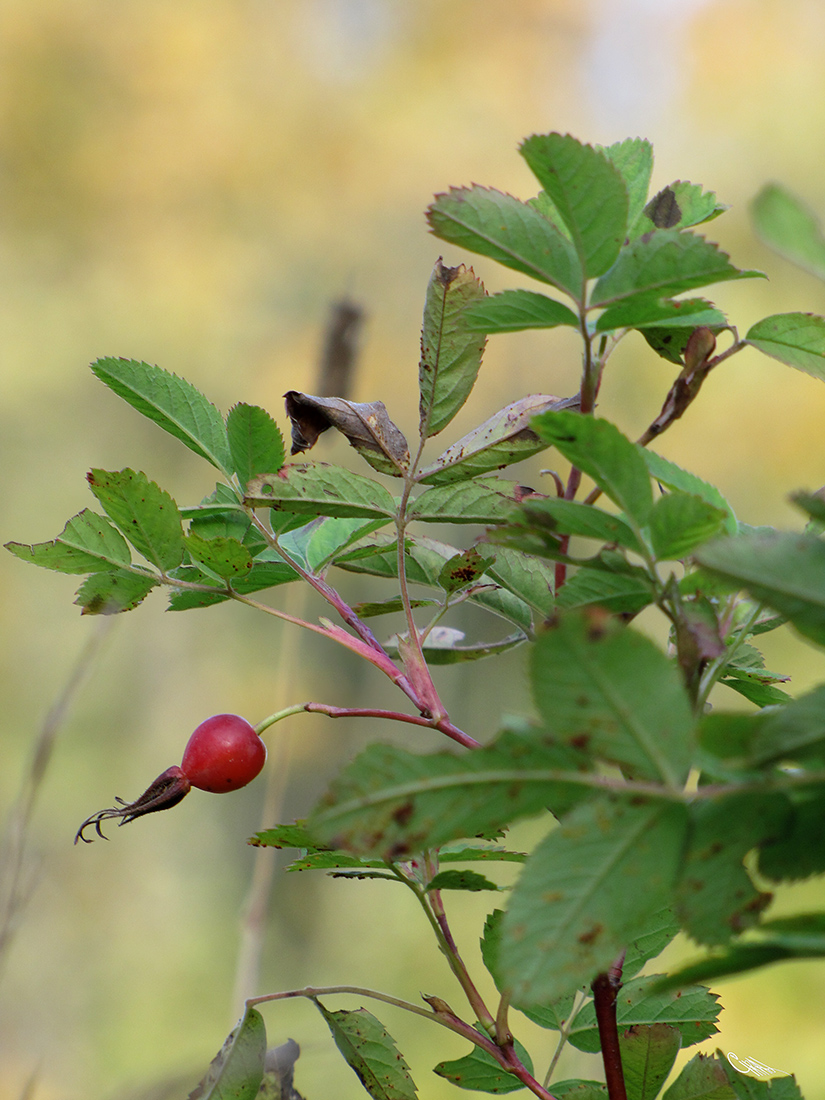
(366, 427)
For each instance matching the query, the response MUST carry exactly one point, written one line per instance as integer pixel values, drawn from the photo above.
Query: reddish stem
(443, 726)
(605, 989)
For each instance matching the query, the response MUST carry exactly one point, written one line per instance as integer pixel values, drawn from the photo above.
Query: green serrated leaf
(321, 489)
(587, 890)
(86, 544)
(658, 933)
(634, 160)
(790, 228)
(172, 403)
(461, 880)
(588, 191)
(648, 1053)
(619, 593)
(393, 803)
(225, 556)
(678, 206)
(145, 513)
(331, 537)
(785, 570)
(463, 569)
(609, 688)
(370, 1051)
(667, 262)
(255, 442)
(451, 350)
(505, 438)
(693, 1012)
(797, 339)
(703, 1078)
(673, 477)
(482, 500)
(511, 232)
(113, 591)
(572, 517)
(657, 312)
(527, 577)
(716, 898)
(797, 853)
(599, 449)
(681, 521)
(516, 310)
(237, 1070)
(480, 1072)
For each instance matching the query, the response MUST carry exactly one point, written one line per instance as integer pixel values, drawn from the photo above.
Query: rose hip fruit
(223, 754)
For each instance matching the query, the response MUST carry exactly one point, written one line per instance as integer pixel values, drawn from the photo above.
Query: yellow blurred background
(193, 182)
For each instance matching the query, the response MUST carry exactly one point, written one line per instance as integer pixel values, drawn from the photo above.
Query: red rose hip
(223, 754)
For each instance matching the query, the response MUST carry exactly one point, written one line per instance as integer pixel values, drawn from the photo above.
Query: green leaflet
(693, 1013)
(620, 593)
(505, 438)
(114, 591)
(657, 312)
(480, 1072)
(679, 522)
(147, 516)
(86, 544)
(667, 262)
(673, 477)
(263, 574)
(482, 500)
(255, 442)
(390, 802)
(703, 1078)
(797, 339)
(716, 897)
(790, 228)
(634, 159)
(648, 1053)
(172, 403)
(573, 517)
(321, 489)
(370, 1051)
(237, 1069)
(607, 687)
(514, 233)
(678, 206)
(587, 890)
(589, 193)
(600, 450)
(785, 570)
(516, 310)
(225, 556)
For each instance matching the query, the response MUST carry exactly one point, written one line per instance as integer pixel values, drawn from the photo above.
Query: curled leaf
(366, 426)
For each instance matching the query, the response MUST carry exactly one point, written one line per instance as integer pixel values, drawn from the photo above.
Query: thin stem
(564, 1034)
(443, 726)
(450, 949)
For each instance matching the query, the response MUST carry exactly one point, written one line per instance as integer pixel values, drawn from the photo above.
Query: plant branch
(443, 726)
(605, 988)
